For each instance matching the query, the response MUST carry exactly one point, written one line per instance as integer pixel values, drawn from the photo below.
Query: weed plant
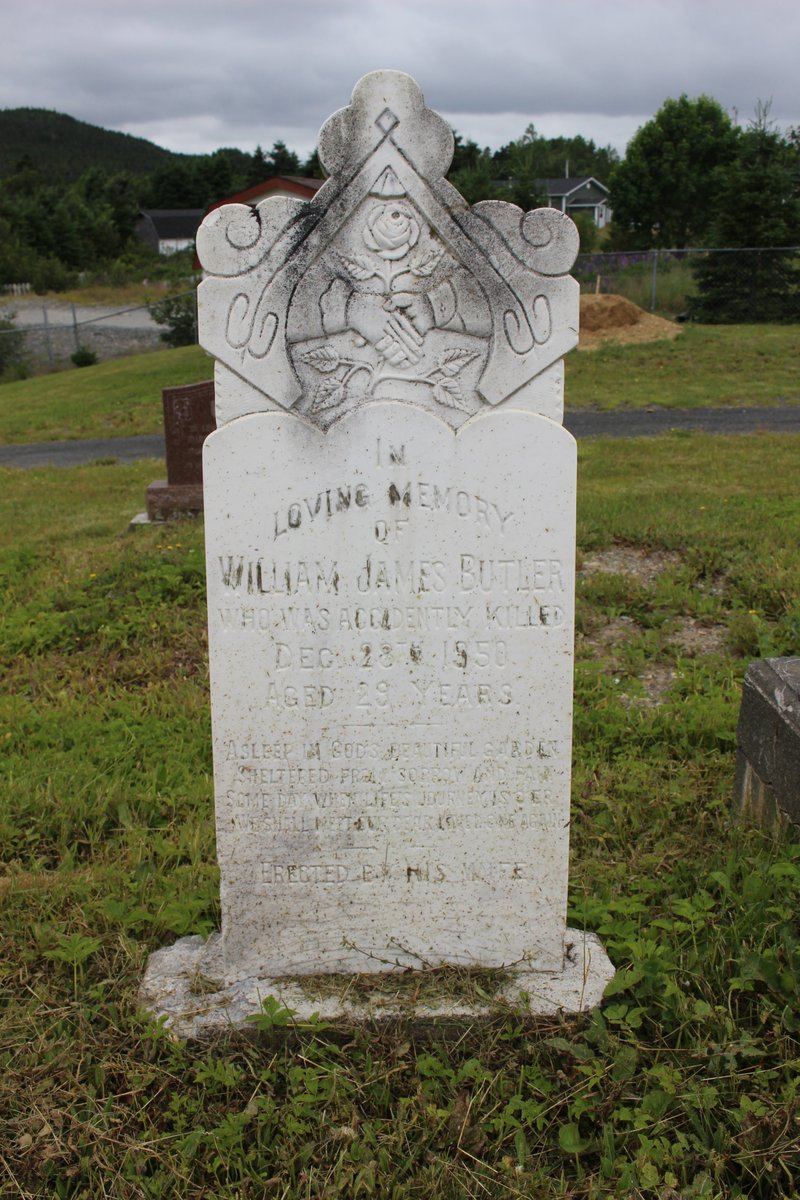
(683, 1084)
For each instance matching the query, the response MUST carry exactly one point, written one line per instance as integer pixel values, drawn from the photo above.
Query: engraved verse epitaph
(390, 536)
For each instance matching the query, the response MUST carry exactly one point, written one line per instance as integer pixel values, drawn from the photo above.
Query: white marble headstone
(390, 528)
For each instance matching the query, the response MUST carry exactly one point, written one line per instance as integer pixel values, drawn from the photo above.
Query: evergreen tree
(283, 161)
(525, 162)
(122, 198)
(476, 181)
(466, 155)
(757, 205)
(472, 171)
(174, 186)
(259, 167)
(312, 167)
(553, 158)
(216, 176)
(17, 259)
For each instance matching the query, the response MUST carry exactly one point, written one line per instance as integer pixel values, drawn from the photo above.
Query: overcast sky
(193, 75)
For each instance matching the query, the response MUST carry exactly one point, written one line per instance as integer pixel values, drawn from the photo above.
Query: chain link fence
(709, 285)
(712, 285)
(47, 334)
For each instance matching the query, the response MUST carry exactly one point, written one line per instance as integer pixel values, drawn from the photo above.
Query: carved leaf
(426, 263)
(331, 394)
(359, 266)
(452, 361)
(448, 393)
(322, 358)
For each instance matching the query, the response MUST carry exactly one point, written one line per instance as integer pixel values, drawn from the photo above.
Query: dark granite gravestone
(768, 758)
(188, 420)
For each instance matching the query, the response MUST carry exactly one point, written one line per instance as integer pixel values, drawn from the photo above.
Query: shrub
(12, 349)
(84, 357)
(589, 233)
(178, 313)
(50, 275)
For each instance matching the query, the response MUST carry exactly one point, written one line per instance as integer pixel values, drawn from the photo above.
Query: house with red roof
(281, 185)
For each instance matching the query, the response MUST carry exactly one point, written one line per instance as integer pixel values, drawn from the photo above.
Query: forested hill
(70, 192)
(61, 147)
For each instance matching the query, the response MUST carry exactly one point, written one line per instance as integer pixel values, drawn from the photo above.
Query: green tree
(588, 232)
(476, 181)
(663, 192)
(259, 167)
(312, 167)
(178, 313)
(216, 177)
(12, 348)
(17, 259)
(555, 158)
(577, 156)
(472, 171)
(466, 155)
(122, 198)
(524, 168)
(757, 206)
(174, 186)
(283, 161)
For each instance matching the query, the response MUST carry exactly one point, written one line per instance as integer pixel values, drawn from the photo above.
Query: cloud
(196, 75)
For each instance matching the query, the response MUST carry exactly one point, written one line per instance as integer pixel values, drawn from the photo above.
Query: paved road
(631, 423)
(648, 423)
(75, 454)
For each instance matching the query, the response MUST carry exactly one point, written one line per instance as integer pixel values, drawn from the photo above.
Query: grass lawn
(112, 399)
(683, 1084)
(708, 366)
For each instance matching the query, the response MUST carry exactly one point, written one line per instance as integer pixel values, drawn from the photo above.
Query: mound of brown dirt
(615, 319)
(644, 565)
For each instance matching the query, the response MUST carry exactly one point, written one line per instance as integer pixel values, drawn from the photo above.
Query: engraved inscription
(393, 623)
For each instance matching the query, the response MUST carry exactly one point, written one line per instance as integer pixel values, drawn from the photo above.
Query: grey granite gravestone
(390, 537)
(767, 785)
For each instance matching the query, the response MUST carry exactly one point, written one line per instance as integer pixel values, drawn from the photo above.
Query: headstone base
(165, 500)
(181, 984)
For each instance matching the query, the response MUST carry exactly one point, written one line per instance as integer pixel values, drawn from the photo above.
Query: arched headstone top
(388, 286)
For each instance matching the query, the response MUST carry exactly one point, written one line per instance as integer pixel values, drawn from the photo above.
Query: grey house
(579, 194)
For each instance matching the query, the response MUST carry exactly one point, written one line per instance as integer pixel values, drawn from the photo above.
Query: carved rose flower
(391, 231)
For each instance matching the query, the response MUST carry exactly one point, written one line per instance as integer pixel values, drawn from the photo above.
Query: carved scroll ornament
(387, 286)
